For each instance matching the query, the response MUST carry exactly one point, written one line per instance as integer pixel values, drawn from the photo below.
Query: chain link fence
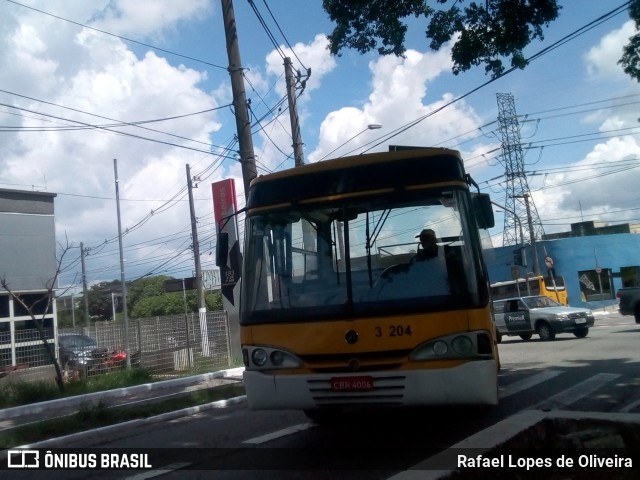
(167, 347)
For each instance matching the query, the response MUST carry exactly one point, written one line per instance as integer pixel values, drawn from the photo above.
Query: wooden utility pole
(243, 125)
(196, 246)
(122, 276)
(298, 154)
(85, 290)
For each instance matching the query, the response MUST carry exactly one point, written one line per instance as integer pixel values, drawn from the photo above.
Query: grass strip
(101, 415)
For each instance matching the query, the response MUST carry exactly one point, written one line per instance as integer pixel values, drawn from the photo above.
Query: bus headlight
(440, 349)
(259, 357)
(467, 345)
(462, 345)
(264, 358)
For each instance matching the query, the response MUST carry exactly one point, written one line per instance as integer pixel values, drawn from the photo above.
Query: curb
(32, 408)
(112, 432)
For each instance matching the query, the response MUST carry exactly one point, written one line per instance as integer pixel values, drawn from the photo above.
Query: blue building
(594, 260)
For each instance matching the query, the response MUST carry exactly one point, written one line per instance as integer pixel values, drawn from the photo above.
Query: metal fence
(166, 347)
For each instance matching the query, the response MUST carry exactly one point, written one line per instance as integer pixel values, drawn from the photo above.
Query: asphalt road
(597, 373)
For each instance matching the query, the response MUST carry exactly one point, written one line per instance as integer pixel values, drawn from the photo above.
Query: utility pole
(122, 279)
(243, 125)
(298, 154)
(196, 247)
(85, 290)
(532, 236)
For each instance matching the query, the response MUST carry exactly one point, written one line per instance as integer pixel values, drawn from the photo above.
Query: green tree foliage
(100, 306)
(630, 60)
(483, 32)
(173, 304)
(146, 298)
(145, 287)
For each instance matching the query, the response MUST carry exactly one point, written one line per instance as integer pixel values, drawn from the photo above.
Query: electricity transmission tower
(518, 201)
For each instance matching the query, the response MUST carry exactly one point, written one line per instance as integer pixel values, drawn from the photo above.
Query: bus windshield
(344, 258)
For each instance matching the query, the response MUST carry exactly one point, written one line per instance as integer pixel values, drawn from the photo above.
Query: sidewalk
(149, 392)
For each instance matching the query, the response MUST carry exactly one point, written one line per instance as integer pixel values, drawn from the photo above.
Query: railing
(165, 346)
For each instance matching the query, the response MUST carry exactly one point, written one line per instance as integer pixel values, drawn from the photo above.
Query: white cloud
(399, 97)
(45, 58)
(142, 18)
(86, 71)
(314, 55)
(602, 59)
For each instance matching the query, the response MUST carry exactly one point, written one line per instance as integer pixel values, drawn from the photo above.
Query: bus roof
(385, 170)
(511, 282)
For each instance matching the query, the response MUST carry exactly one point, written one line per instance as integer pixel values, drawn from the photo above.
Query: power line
(575, 34)
(98, 127)
(118, 36)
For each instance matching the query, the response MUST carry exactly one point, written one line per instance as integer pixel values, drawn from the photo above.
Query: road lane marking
(630, 406)
(280, 433)
(160, 471)
(528, 382)
(577, 392)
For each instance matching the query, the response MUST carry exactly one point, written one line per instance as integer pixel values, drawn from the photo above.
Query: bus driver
(428, 247)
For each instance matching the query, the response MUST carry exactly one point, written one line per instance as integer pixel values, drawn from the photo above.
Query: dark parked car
(80, 356)
(76, 349)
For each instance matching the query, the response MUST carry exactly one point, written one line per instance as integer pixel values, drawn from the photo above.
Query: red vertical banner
(225, 208)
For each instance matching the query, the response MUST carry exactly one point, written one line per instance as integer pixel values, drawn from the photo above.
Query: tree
(100, 300)
(145, 287)
(483, 33)
(173, 304)
(630, 60)
(145, 298)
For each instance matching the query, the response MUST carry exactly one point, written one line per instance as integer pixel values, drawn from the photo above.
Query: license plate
(352, 384)
(581, 320)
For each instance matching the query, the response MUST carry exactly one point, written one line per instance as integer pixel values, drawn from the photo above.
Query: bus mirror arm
(222, 247)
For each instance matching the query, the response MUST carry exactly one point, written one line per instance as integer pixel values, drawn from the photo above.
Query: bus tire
(581, 332)
(526, 336)
(545, 331)
(636, 312)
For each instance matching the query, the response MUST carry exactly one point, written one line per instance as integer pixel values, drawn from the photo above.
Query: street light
(371, 126)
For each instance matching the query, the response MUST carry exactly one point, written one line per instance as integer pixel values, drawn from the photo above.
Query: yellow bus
(337, 307)
(553, 288)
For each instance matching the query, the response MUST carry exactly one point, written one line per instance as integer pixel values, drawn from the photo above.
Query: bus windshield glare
(344, 258)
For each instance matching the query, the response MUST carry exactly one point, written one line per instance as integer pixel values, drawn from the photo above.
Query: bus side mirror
(483, 210)
(222, 249)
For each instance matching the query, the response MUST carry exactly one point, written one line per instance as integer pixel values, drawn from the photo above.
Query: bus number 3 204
(394, 331)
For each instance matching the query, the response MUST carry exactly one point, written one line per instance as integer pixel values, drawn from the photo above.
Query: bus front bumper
(472, 383)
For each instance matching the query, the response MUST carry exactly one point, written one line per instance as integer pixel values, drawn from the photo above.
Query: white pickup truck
(524, 316)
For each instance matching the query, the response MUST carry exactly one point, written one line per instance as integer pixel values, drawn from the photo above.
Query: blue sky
(579, 116)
